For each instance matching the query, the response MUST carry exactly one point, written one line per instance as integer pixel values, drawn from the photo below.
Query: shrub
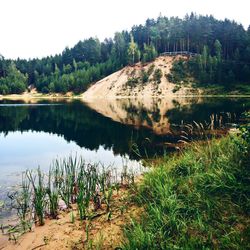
(151, 69)
(144, 76)
(132, 81)
(176, 88)
(4, 90)
(157, 75)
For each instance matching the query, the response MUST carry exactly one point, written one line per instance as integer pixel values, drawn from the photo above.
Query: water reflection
(164, 116)
(117, 124)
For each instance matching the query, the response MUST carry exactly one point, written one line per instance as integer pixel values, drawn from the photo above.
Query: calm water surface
(33, 135)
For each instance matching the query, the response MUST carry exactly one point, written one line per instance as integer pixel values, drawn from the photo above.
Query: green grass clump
(39, 190)
(53, 194)
(199, 199)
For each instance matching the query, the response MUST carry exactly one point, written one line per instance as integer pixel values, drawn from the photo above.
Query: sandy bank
(64, 234)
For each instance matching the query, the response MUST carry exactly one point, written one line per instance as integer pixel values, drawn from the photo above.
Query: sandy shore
(64, 234)
(36, 95)
(55, 96)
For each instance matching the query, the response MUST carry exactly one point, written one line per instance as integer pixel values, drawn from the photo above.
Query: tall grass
(39, 192)
(53, 194)
(199, 199)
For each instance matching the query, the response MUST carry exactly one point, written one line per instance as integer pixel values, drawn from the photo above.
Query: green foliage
(245, 129)
(196, 200)
(151, 69)
(14, 82)
(144, 76)
(178, 72)
(4, 90)
(132, 81)
(157, 75)
(39, 194)
(53, 194)
(21, 202)
(133, 52)
(218, 50)
(207, 69)
(149, 53)
(176, 88)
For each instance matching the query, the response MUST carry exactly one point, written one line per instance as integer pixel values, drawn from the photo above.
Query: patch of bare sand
(33, 96)
(63, 234)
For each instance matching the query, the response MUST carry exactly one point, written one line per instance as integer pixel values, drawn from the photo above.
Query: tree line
(223, 45)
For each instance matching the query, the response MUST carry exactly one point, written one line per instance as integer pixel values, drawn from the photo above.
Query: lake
(112, 132)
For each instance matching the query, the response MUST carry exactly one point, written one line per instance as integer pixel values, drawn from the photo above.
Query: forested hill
(224, 48)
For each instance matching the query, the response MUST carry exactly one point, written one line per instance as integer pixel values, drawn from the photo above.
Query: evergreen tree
(149, 53)
(218, 50)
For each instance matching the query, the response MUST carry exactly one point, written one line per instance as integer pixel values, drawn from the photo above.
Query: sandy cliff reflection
(147, 113)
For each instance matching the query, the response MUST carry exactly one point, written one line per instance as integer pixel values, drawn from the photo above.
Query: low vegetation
(157, 76)
(145, 76)
(198, 199)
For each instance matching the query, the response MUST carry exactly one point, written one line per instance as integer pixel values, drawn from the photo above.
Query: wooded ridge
(223, 48)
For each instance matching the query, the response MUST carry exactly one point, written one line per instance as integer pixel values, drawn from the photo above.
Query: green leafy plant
(39, 194)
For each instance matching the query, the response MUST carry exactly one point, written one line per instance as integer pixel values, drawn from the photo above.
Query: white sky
(37, 28)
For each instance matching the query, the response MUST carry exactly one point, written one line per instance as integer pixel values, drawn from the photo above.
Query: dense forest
(223, 48)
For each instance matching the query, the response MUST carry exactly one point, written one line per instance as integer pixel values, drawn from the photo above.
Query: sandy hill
(139, 80)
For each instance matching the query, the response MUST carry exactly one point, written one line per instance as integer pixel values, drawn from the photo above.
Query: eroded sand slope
(116, 85)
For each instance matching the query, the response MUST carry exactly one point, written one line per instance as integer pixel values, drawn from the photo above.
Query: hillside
(140, 80)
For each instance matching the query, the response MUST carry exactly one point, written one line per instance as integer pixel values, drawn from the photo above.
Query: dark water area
(112, 132)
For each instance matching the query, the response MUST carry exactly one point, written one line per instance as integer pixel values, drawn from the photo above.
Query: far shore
(56, 96)
(27, 96)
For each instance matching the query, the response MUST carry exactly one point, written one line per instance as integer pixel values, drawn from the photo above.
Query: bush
(45, 90)
(4, 90)
(132, 81)
(151, 69)
(176, 88)
(157, 75)
(144, 76)
(178, 72)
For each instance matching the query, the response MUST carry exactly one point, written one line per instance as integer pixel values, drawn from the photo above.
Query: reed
(83, 199)
(53, 194)
(39, 199)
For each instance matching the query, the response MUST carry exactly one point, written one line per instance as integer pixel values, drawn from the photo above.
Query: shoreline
(16, 97)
